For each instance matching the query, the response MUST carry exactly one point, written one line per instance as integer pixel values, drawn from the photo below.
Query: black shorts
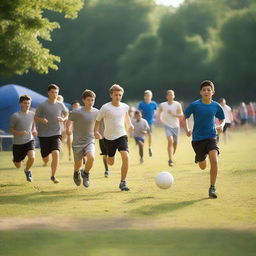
(49, 144)
(226, 126)
(203, 147)
(112, 145)
(20, 151)
(102, 147)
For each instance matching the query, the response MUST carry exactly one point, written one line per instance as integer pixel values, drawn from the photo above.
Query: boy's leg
(30, 160)
(170, 148)
(141, 153)
(17, 164)
(54, 164)
(125, 164)
(69, 144)
(150, 143)
(202, 164)
(213, 156)
(45, 160)
(88, 165)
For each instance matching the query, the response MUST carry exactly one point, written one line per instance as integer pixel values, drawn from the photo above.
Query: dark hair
(221, 99)
(88, 93)
(24, 97)
(74, 102)
(53, 86)
(207, 83)
(137, 112)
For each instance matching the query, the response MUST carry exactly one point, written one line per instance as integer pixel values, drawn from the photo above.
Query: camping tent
(9, 102)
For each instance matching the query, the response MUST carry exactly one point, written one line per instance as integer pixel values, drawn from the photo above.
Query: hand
(219, 129)
(98, 135)
(44, 121)
(34, 133)
(23, 133)
(69, 132)
(61, 119)
(131, 128)
(144, 131)
(189, 133)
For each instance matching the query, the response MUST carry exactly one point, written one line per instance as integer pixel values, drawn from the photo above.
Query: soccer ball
(164, 180)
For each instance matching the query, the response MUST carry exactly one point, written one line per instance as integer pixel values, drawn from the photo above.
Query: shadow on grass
(8, 169)
(11, 185)
(139, 199)
(247, 171)
(178, 242)
(158, 209)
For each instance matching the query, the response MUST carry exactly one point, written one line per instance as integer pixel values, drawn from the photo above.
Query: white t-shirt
(114, 120)
(168, 119)
(227, 113)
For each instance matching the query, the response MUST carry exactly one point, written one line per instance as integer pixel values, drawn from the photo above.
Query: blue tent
(9, 102)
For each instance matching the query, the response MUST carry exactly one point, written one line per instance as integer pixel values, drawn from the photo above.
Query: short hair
(74, 102)
(137, 112)
(168, 91)
(53, 86)
(116, 87)
(148, 92)
(221, 99)
(88, 93)
(24, 97)
(207, 83)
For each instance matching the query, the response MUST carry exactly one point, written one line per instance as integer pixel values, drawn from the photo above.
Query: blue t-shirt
(204, 117)
(148, 111)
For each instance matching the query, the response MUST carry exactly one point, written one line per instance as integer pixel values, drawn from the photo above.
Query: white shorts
(172, 132)
(80, 152)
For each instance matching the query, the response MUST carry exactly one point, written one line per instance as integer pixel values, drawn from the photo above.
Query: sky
(174, 3)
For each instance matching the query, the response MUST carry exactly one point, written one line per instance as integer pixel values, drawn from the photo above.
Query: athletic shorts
(203, 147)
(49, 144)
(102, 147)
(80, 152)
(172, 132)
(139, 139)
(226, 126)
(20, 151)
(120, 144)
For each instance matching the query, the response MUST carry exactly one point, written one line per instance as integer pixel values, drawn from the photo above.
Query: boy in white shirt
(169, 114)
(114, 114)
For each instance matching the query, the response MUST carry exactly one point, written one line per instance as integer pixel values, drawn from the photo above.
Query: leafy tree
(22, 26)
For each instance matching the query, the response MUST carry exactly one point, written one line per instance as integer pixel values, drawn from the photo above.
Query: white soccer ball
(164, 180)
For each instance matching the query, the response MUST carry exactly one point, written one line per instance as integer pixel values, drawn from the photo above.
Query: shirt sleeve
(155, 105)
(101, 114)
(220, 113)
(39, 110)
(146, 125)
(64, 109)
(140, 107)
(188, 111)
(12, 121)
(72, 116)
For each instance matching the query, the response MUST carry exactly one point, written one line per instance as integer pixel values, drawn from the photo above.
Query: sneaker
(212, 192)
(77, 178)
(28, 175)
(54, 180)
(141, 160)
(150, 152)
(106, 173)
(86, 181)
(123, 186)
(170, 163)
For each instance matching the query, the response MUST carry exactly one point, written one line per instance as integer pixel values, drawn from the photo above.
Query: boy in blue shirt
(148, 108)
(204, 131)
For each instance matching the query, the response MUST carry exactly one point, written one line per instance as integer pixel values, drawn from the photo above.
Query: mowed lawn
(46, 219)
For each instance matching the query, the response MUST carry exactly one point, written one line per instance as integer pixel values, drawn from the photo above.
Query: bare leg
(89, 161)
(17, 164)
(141, 145)
(125, 164)
(111, 160)
(69, 144)
(213, 156)
(55, 161)
(78, 165)
(175, 144)
(202, 164)
(31, 159)
(105, 162)
(170, 148)
(45, 160)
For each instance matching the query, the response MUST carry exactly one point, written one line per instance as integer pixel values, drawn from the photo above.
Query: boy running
(169, 114)
(50, 115)
(204, 132)
(83, 120)
(22, 127)
(148, 108)
(114, 114)
(141, 128)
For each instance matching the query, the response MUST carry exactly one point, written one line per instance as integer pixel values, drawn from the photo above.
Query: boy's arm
(220, 127)
(63, 118)
(160, 114)
(128, 121)
(41, 120)
(178, 114)
(96, 130)
(34, 131)
(17, 133)
(185, 126)
(69, 127)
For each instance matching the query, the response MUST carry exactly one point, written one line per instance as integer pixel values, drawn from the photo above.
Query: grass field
(41, 218)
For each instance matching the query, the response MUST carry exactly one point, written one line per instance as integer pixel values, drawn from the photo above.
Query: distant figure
(204, 132)
(243, 113)
(114, 114)
(251, 113)
(74, 105)
(141, 128)
(148, 109)
(170, 113)
(50, 114)
(82, 121)
(23, 128)
(228, 117)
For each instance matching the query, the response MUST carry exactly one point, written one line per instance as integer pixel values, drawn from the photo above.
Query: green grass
(46, 219)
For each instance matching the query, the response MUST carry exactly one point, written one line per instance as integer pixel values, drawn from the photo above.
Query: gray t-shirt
(50, 111)
(83, 124)
(140, 126)
(22, 122)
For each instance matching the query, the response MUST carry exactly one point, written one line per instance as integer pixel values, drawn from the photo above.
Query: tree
(22, 27)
